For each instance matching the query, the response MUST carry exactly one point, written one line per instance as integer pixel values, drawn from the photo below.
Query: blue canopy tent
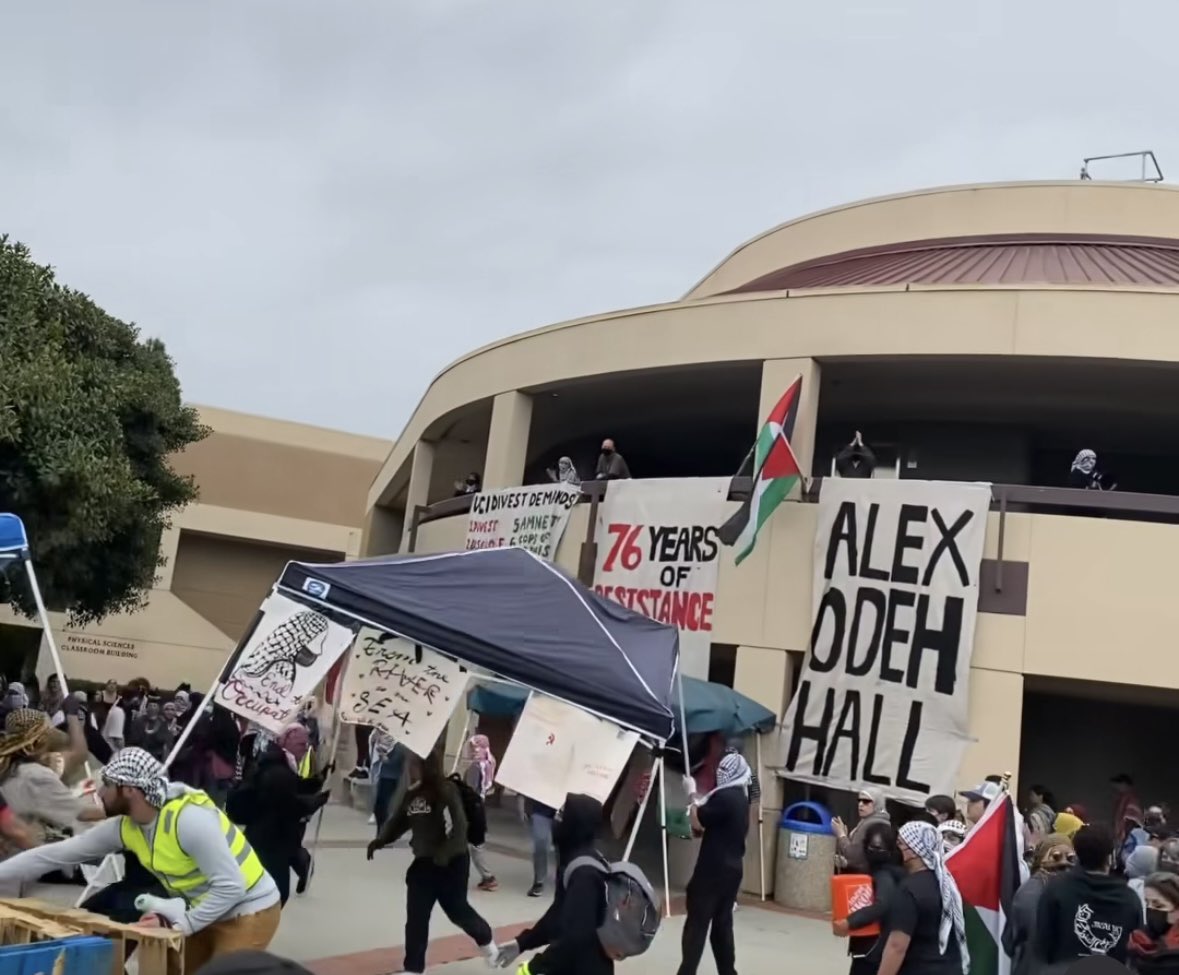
(14, 546)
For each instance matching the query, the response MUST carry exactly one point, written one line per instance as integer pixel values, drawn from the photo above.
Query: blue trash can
(806, 858)
(80, 956)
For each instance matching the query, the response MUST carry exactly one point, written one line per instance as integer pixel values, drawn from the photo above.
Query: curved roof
(1075, 259)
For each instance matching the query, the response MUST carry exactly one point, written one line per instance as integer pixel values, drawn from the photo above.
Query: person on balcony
(856, 459)
(472, 484)
(565, 473)
(1085, 475)
(612, 465)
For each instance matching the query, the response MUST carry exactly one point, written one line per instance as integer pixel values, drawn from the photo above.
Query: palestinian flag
(775, 472)
(986, 869)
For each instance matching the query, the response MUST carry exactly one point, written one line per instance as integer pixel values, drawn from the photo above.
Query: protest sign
(557, 749)
(526, 517)
(658, 554)
(883, 698)
(289, 652)
(409, 692)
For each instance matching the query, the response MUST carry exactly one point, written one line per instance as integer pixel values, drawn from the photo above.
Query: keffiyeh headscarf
(733, 772)
(136, 769)
(925, 841)
(1085, 462)
(481, 756)
(566, 472)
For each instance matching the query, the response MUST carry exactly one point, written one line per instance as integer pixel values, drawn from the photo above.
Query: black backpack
(473, 809)
(242, 803)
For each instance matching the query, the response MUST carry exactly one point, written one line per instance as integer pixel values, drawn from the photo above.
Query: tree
(89, 417)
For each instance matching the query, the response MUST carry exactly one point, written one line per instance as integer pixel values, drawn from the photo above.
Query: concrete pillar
(418, 491)
(765, 675)
(169, 547)
(383, 529)
(996, 725)
(776, 377)
(507, 443)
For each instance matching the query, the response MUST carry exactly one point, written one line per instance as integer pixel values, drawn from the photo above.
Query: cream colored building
(270, 491)
(975, 332)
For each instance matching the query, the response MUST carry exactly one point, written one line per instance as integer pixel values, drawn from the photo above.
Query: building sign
(883, 698)
(533, 518)
(100, 646)
(658, 554)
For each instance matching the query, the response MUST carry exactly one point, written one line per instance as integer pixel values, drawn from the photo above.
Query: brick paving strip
(458, 947)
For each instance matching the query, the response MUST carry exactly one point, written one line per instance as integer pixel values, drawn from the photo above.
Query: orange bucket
(849, 893)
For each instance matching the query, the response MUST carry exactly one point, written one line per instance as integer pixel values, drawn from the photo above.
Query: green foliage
(89, 416)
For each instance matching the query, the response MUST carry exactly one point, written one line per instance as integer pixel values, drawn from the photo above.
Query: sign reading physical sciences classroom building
(533, 518)
(883, 698)
(658, 554)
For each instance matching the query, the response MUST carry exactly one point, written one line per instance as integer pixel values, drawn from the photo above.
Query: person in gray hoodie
(849, 846)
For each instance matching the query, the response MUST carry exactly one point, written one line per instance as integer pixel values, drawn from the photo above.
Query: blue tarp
(710, 707)
(12, 534)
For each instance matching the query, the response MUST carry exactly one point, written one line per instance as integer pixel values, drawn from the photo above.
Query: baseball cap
(983, 792)
(251, 963)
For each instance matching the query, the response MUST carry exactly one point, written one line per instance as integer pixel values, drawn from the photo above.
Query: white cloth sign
(557, 749)
(286, 657)
(883, 698)
(658, 554)
(408, 693)
(533, 518)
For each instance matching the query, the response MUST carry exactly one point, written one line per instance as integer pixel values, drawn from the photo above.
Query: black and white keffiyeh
(924, 840)
(135, 768)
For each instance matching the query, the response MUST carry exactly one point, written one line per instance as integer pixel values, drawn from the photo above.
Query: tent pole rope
(761, 831)
(634, 833)
(661, 769)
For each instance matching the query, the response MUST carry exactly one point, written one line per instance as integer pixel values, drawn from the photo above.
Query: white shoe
(491, 954)
(372, 819)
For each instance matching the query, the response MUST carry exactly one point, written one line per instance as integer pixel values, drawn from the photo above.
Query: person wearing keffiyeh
(927, 929)
(224, 899)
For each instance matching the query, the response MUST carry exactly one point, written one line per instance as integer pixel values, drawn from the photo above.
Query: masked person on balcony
(612, 465)
(1085, 475)
(856, 459)
(222, 899)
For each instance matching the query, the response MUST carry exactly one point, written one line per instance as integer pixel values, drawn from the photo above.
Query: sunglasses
(864, 802)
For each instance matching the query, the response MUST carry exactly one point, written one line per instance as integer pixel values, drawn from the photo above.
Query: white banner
(884, 695)
(408, 692)
(526, 517)
(286, 657)
(658, 554)
(557, 749)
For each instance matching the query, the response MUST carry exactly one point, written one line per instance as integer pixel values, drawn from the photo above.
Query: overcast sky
(318, 204)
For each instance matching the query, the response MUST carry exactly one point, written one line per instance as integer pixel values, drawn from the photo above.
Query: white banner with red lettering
(531, 517)
(658, 554)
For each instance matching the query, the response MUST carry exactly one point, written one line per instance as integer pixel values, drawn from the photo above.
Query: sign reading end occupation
(884, 696)
(532, 518)
(658, 554)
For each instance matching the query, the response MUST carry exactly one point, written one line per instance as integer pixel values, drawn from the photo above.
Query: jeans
(383, 793)
(428, 884)
(710, 918)
(542, 839)
(479, 859)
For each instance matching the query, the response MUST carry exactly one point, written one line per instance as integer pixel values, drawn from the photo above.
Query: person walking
(884, 864)
(722, 817)
(432, 812)
(480, 777)
(223, 899)
(540, 825)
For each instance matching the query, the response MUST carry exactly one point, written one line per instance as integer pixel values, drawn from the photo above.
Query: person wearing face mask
(884, 864)
(953, 833)
(612, 465)
(1154, 948)
(221, 897)
(1085, 911)
(1053, 855)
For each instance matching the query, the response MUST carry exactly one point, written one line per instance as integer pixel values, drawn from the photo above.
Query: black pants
(427, 885)
(710, 918)
(117, 900)
(277, 861)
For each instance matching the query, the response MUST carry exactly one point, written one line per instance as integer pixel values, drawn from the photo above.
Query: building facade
(972, 333)
(270, 491)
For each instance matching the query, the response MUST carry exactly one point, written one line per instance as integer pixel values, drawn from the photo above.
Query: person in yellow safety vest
(224, 899)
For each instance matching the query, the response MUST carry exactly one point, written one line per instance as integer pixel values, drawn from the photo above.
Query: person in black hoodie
(570, 926)
(723, 818)
(1085, 911)
(884, 864)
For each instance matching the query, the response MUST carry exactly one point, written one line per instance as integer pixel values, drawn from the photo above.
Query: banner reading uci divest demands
(526, 517)
(658, 554)
(883, 698)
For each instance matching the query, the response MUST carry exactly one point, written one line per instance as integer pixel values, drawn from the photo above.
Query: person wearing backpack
(432, 812)
(723, 818)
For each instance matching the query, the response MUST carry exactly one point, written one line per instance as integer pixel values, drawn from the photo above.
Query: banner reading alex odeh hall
(883, 698)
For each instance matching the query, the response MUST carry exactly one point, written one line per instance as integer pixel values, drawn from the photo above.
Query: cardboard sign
(533, 518)
(883, 698)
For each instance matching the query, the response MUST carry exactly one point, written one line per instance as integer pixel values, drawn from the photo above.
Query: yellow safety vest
(307, 766)
(174, 868)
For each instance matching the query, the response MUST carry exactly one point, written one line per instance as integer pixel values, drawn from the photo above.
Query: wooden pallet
(159, 952)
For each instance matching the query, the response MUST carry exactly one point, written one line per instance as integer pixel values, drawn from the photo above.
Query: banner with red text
(290, 651)
(658, 554)
(527, 517)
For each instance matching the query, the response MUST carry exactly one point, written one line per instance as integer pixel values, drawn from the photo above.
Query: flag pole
(761, 832)
(634, 833)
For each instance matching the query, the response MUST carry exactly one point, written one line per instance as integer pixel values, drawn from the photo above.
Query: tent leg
(634, 833)
(679, 675)
(663, 831)
(58, 667)
(337, 730)
(761, 832)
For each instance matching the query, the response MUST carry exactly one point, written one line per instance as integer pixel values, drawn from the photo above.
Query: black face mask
(876, 858)
(607, 451)
(1156, 922)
